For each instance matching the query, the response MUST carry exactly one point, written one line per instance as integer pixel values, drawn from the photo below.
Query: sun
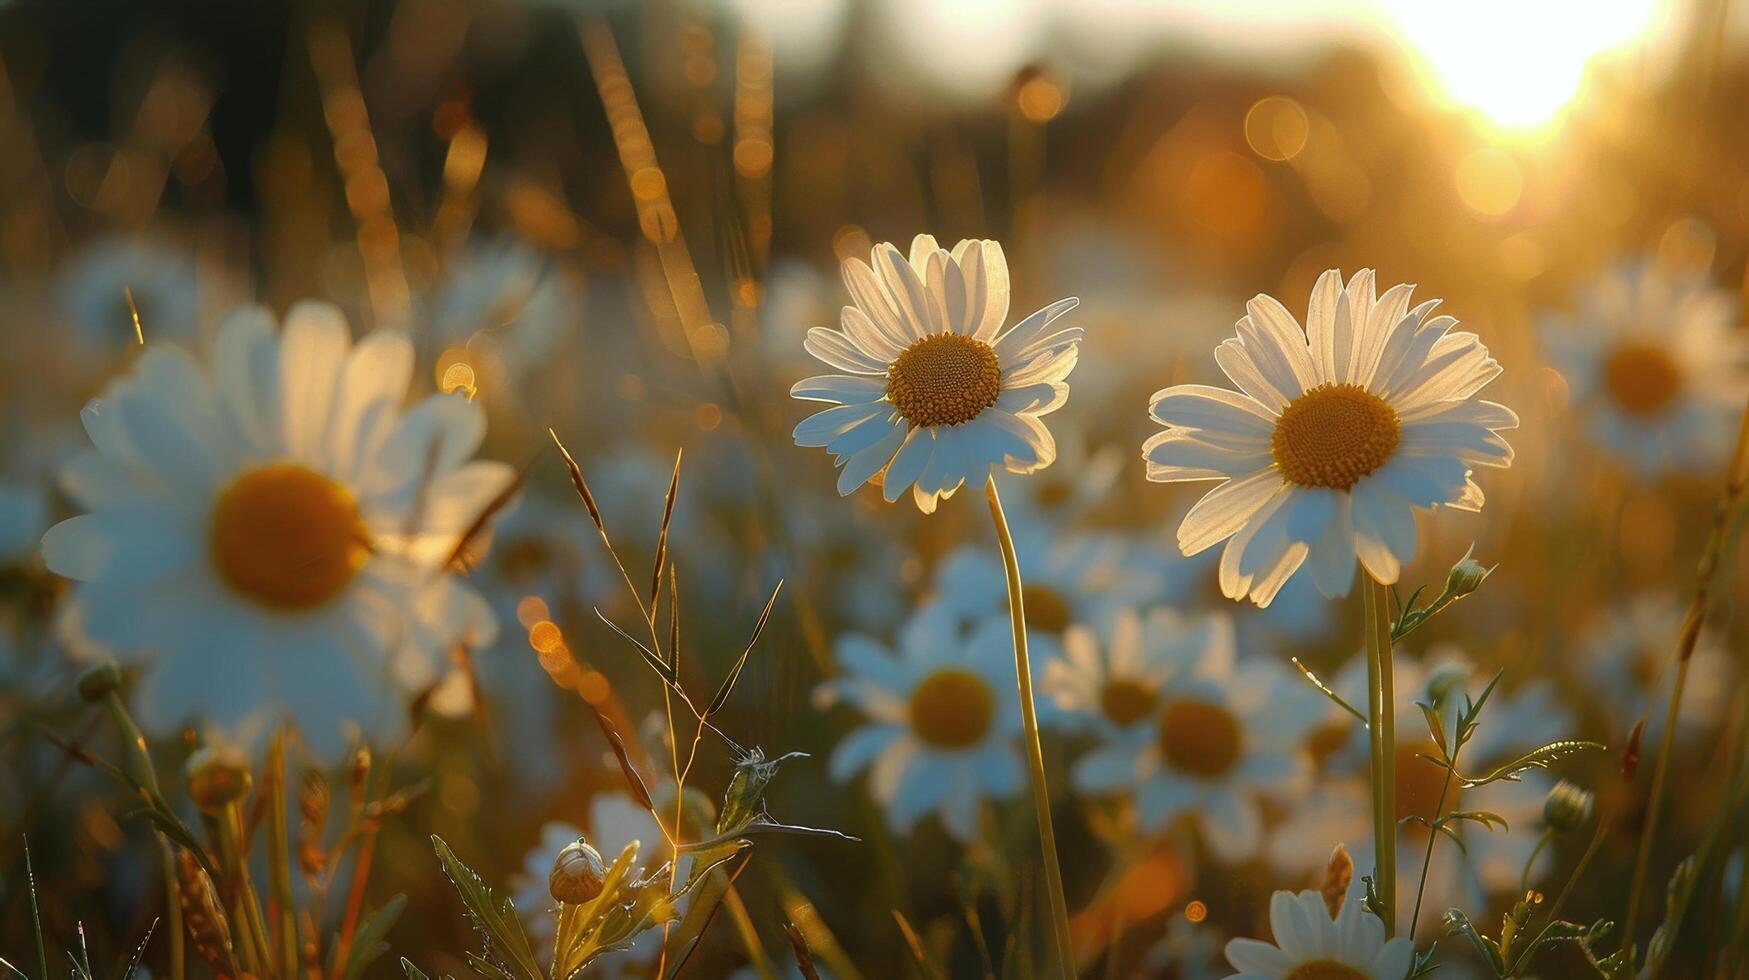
(1517, 64)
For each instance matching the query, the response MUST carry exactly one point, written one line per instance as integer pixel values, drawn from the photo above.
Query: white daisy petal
(865, 463)
(841, 352)
(839, 389)
(871, 297)
(1222, 511)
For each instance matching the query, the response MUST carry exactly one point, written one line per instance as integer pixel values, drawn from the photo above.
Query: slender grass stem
(1735, 478)
(1382, 736)
(1041, 797)
(139, 763)
(1433, 835)
(1542, 842)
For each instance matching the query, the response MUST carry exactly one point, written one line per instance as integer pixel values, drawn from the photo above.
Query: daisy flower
(942, 719)
(161, 277)
(274, 532)
(1213, 738)
(507, 300)
(1073, 579)
(1628, 652)
(937, 392)
(1656, 367)
(1111, 676)
(1337, 433)
(1309, 944)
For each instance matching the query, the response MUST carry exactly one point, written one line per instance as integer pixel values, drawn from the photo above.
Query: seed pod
(577, 873)
(216, 777)
(208, 931)
(1568, 806)
(97, 683)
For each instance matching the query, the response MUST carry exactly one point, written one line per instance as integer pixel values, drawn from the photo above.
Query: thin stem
(1433, 834)
(1382, 734)
(1735, 478)
(1041, 797)
(139, 763)
(1548, 835)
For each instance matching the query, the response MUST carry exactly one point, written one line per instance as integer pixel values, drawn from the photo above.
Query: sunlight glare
(1518, 64)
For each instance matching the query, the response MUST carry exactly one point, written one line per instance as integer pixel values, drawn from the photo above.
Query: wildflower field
(873, 488)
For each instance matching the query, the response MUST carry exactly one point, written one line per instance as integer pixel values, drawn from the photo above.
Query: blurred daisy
(274, 533)
(1213, 740)
(1040, 506)
(1308, 944)
(1188, 951)
(1074, 579)
(1628, 652)
(942, 714)
(1656, 365)
(1338, 432)
(1111, 676)
(24, 515)
(937, 394)
(160, 276)
(506, 300)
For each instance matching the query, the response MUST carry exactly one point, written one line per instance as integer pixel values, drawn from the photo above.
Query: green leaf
(1483, 817)
(1540, 758)
(745, 798)
(1435, 726)
(1460, 925)
(370, 941)
(494, 918)
(412, 972)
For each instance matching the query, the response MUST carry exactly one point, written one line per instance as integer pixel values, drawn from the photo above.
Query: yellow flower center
(1641, 378)
(1046, 609)
(1199, 738)
(944, 379)
(1125, 701)
(1420, 782)
(952, 708)
(287, 536)
(1333, 435)
(1326, 740)
(1324, 970)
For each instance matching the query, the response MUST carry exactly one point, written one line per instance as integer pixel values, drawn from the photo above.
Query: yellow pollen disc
(1333, 435)
(287, 536)
(1324, 970)
(1125, 701)
(1419, 783)
(1641, 378)
(944, 379)
(952, 708)
(1326, 740)
(1046, 609)
(1199, 738)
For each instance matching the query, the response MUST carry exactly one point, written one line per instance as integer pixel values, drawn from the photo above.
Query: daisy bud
(1568, 806)
(577, 873)
(216, 777)
(1465, 577)
(99, 682)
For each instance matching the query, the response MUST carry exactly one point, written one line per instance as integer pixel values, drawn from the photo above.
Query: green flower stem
(1542, 842)
(1382, 736)
(139, 764)
(1735, 479)
(1041, 797)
